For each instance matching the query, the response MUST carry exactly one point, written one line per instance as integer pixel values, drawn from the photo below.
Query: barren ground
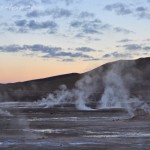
(69, 129)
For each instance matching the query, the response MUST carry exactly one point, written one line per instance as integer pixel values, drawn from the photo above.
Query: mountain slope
(135, 74)
(36, 89)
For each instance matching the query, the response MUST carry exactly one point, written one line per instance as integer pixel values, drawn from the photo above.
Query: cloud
(85, 49)
(136, 47)
(87, 37)
(142, 12)
(67, 2)
(122, 9)
(124, 41)
(55, 13)
(117, 55)
(90, 30)
(42, 25)
(147, 48)
(45, 51)
(26, 26)
(88, 27)
(132, 46)
(95, 26)
(147, 40)
(11, 48)
(141, 9)
(22, 5)
(119, 8)
(119, 29)
(25, 3)
(86, 14)
(92, 27)
(47, 1)
(17, 30)
(31, 25)
(124, 55)
(69, 54)
(21, 23)
(76, 24)
(33, 48)
(68, 60)
(41, 48)
(92, 59)
(106, 55)
(59, 13)
(35, 14)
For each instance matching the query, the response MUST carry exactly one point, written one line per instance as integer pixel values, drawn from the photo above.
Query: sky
(43, 38)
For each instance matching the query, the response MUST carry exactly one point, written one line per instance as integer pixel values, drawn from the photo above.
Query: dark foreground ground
(68, 129)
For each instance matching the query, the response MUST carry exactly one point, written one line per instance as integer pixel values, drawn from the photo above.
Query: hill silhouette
(33, 90)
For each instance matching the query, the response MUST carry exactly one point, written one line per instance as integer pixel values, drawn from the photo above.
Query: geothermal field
(66, 128)
(107, 108)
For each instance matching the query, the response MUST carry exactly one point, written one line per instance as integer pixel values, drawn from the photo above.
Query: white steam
(116, 91)
(59, 97)
(62, 96)
(84, 88)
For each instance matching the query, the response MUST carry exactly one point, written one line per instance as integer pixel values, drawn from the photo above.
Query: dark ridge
(47, 79)
(37, 89)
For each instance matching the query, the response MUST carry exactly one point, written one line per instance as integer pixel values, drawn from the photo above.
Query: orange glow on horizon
(16, 68)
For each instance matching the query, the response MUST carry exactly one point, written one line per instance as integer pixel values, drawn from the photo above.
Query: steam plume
(116, 82)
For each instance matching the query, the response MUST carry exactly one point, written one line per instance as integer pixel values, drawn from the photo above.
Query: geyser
(116, 84)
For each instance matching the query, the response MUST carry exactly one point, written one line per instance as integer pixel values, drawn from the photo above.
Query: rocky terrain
(29, 128)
